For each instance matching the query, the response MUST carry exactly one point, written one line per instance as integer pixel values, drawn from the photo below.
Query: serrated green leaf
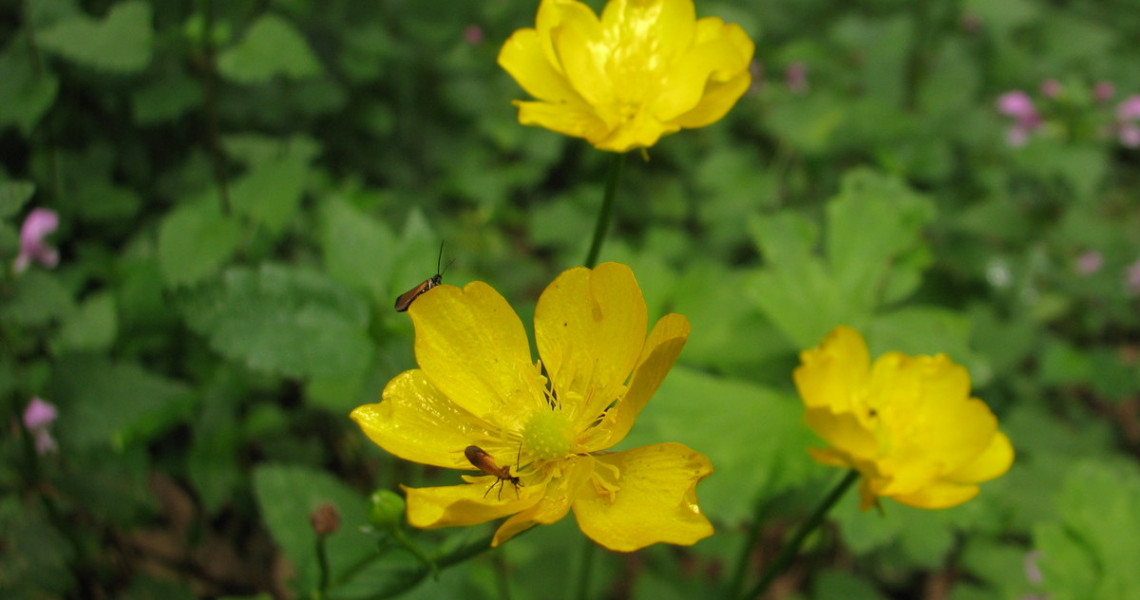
(27, 93)
(194, 241)
(271, 191)
(272, 46)
(282, 320)
(1092, 552)
(105, 402)
(14, 195)
(358, 249)
(120, 42)
(92, 327)
(288, 495)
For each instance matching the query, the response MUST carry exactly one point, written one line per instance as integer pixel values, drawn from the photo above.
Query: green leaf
(272, 46)
(14, 195)
(27, 93)
(837, 585)
(119, 42)
(873, 229)
(358, 249)
(288, 495)
(103, 402)
(194, 241)
(1091, 552)
(37, 298)
(271, 191)
(165, 98)
(92, 327)
(283, 320)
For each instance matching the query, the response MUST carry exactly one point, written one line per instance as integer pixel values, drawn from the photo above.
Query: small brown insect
(405, 300)
(483, 461)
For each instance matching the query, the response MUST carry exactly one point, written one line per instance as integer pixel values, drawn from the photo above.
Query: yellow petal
(472, 347)
(524, 58)
(993, 462)
(830, 374)
(554, 505)
(642, 131)
(939, 495)
(647, 36)
(590, 328)
(582, 55)
(458, 505)
(572, 119)
(418, 423)
(844, 432)
(657, 358)
(684, 85)
(830, 457)
(717, 100)
(653, 500)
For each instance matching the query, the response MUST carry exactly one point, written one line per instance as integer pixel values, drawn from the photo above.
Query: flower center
(547, 435)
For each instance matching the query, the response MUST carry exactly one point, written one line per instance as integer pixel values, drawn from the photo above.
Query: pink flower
(1051, 88)
(1090, 262)
(1129, 109)
(473, 35)
(795, 77)
(38, 417)
(1018, 105)
(1104, 91)
(1127, 128)
(1132, 277)
(39, 223)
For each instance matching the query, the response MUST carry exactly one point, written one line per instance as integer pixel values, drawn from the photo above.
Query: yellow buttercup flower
(907, 424)
(548, 423)
(647, 68)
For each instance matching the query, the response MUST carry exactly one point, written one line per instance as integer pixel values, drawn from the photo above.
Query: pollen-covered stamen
(548, 435)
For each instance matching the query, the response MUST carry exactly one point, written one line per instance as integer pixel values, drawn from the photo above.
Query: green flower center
(547, 435)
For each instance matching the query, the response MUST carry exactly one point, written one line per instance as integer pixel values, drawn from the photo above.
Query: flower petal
(992, 463)
(458, 505)
(719, 59)
(652, 500)
(583, 54)
(554, 505)
(844, 432)
(418, 423)
(646, 37)
(831, 373)
(524, 58)
(568, 119)
(472, 347)
(590, 328)
(718, 99)
(657, 357)
(939, 495)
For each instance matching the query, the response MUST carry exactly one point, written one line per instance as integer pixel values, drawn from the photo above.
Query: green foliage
(121, 42)
(272, 47)
(284, 320)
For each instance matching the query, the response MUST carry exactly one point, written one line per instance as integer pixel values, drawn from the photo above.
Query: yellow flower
(907, 424)
(646, 69)
(477, 386)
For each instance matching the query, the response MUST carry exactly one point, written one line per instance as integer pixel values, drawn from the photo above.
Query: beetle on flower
(546, 425)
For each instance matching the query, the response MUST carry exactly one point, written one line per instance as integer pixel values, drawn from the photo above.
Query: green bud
(385, 509)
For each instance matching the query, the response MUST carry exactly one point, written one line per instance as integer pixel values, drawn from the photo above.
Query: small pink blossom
(1104, 91)
(473, 35)
(1127, 125)
(1132, 277)
(1051, 88)
(38, 417)
(1090, 262)
(1019, 105)
(1129, 109)
(796, 77)
(38, 224)
(1032, 571)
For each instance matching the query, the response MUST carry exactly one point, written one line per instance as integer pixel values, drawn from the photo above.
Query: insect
(405, 300)
(486, 464)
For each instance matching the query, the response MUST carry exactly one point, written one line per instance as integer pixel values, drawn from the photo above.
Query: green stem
(736, 586)
(402, 538)
(605, 215)
(323, 565)
(792, 548)
(586, 568)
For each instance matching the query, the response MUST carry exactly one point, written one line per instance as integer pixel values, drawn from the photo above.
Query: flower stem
(586, 568)
(402, 539)
(605, 215)
(792, 548)
(323, 565)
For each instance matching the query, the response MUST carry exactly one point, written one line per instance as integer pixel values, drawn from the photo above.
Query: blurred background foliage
(245, 186)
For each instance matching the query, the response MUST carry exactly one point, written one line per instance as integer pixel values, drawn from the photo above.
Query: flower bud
(325, 519)
(385, 509)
